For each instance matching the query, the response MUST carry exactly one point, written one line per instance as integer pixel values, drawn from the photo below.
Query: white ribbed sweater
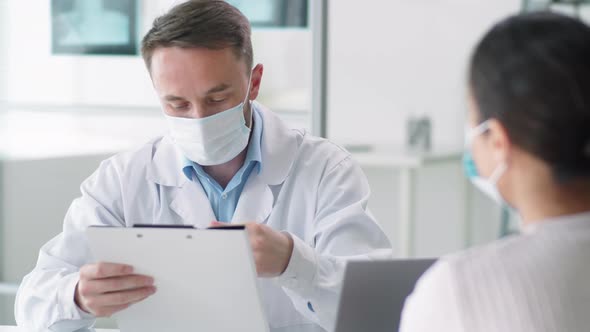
(537, 282)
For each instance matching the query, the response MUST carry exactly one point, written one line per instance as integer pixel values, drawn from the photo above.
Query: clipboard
(206, 279)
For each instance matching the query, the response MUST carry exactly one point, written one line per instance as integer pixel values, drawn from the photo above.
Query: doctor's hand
(271, 249)
(106, 288)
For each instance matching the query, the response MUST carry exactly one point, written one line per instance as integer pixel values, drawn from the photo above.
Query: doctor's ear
(257, 73)
(498, 141)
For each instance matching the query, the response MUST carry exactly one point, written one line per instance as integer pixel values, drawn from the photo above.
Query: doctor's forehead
(195, 68)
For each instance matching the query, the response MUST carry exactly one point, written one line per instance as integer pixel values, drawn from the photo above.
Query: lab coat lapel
(165, 166)
(279, 147)
(193, 206)
(191, 202)
(256, 202)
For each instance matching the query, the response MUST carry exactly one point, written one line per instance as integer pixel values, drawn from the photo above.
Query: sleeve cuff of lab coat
(66, 295)
(301, 270)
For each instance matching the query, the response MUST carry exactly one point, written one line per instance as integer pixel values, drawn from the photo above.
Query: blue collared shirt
(224, 201)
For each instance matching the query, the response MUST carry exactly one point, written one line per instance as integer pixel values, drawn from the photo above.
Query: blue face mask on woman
(487, 186)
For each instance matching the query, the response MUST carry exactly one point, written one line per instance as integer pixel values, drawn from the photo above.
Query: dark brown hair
(532, 73)
(211, 24)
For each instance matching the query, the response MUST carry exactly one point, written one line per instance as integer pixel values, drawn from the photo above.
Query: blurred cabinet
(35, 197)
(425, 204)
(44, 157)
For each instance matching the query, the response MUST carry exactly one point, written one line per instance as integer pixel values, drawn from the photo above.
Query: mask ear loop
(501, 169)
(480, 129)
(247, 100)
(497, 174)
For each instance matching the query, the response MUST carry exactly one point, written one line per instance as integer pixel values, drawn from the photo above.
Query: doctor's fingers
(104, 270)
(258, 235)
(107, 285)
(97, 303)
(254, 229)
(109, 311)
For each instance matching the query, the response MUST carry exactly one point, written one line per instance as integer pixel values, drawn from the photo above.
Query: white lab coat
(307, 186)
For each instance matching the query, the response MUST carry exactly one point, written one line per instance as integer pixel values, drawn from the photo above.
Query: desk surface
(391, 156)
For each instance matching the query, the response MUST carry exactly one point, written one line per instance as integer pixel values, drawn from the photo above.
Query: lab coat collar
(279, 147)
(165, 167)
(193, 206)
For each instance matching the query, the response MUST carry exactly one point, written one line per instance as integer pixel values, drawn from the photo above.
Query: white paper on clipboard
(205, 279)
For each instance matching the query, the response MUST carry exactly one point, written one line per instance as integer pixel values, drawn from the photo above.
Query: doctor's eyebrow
(173, 98)
(220, 88)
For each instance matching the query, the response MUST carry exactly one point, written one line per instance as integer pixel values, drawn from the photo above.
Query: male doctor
(227, 159)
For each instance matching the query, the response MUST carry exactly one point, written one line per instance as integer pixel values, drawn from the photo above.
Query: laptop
(374, 292)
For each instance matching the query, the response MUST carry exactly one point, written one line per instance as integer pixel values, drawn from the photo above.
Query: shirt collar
(572, 220)
(254, 154)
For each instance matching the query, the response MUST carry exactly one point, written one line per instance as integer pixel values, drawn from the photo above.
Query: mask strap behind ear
(500, 170)
(247, 100)
(481, 128)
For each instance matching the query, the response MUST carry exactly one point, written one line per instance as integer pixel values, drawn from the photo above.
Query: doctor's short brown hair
(211, 24)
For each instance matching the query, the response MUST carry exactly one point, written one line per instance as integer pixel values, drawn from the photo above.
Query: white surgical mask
(213, 140)
(487, 186)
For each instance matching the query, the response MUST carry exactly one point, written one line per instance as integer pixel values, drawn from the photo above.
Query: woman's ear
(499, 142)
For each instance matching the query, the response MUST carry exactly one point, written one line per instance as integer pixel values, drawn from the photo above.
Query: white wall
(393, 58)
(389, 59)
(38, 77)
(3, 48)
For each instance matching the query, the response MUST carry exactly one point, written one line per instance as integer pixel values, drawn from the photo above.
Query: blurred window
(274, 13)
